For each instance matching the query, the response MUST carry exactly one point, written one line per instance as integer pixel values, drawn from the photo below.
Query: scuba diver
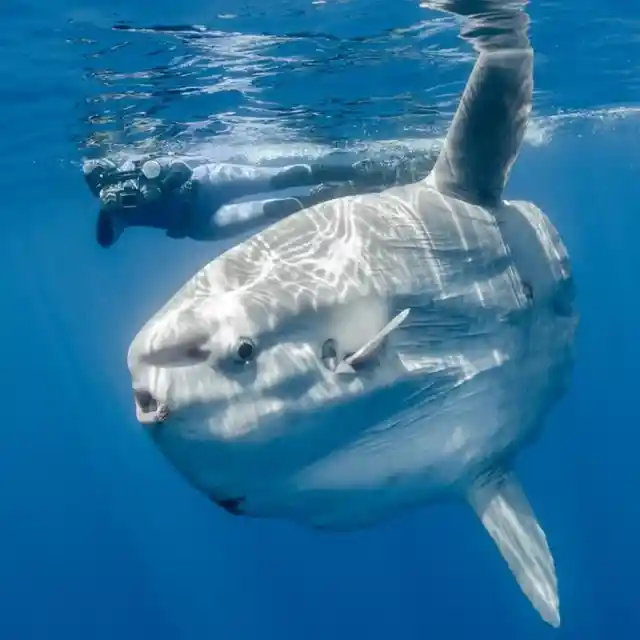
(202, 200)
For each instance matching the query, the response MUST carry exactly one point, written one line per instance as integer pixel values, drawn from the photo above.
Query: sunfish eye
(245, 351)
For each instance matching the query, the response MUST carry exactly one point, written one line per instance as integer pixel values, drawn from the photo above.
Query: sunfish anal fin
(347, 366)
(504, 510)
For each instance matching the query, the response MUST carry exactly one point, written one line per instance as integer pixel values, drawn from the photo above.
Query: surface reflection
(154, 85)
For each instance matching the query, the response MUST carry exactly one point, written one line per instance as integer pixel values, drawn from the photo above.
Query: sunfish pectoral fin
(504, 510)
(366, 351)
(485, 136)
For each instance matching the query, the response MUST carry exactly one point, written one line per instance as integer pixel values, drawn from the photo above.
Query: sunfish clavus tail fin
(504, 510)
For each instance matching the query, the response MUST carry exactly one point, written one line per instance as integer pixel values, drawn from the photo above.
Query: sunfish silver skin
(246, 378)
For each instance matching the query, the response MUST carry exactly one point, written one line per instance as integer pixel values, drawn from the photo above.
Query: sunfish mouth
(148, 410)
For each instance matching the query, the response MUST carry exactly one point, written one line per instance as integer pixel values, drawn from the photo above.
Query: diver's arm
(224, 182)
(234, 181)
(236, 218)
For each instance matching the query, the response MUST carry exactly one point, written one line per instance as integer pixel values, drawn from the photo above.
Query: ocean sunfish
(376, 352)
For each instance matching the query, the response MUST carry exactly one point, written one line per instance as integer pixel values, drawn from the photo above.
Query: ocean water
(99, 538)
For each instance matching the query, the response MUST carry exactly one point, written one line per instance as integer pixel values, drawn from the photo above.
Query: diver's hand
(108, 229)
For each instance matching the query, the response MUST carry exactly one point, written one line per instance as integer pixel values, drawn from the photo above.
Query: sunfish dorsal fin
(485, 136)
(504, 510)
(370, 347)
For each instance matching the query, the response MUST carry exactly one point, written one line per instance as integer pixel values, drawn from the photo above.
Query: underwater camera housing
(146, 183)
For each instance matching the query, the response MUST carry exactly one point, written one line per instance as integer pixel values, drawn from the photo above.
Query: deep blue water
(99, 538)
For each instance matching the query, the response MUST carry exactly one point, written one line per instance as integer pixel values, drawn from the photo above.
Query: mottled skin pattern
(450, 397)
